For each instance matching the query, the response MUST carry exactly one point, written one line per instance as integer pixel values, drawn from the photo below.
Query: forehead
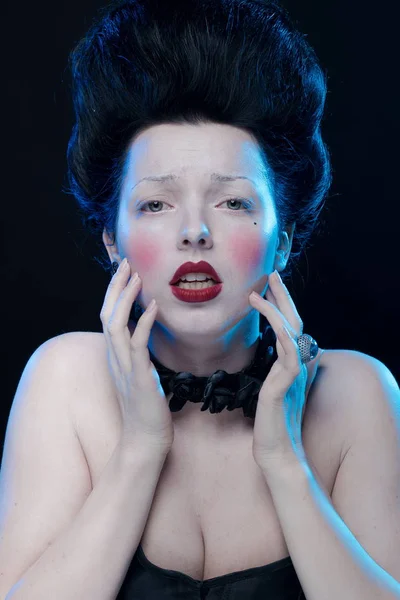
(195, 150)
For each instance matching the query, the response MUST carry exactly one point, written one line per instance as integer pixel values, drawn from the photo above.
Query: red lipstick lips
(202, 295)
(191, 267)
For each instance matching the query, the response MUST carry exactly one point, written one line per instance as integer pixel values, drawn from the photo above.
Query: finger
(290, 356)
(139, 351)
(270, 297)
(114, 316)
(273, 315)
(113, 291)
(285, 302)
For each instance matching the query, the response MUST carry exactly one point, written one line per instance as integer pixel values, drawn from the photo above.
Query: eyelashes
(246, 205)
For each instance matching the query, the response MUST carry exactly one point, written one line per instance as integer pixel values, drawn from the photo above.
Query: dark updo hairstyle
(237, 62)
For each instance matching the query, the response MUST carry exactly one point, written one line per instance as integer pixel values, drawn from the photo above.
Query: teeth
(195, 277)
(196, 285)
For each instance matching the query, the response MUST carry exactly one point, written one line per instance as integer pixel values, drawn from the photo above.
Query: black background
(347, 288)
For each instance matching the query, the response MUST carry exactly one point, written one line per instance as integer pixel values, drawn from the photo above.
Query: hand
(282, 399)
(145, 413)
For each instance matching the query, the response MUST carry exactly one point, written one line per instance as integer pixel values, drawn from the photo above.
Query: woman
(197, 154)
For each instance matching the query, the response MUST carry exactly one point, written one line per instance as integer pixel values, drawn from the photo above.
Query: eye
(246, 205)
(148, 204)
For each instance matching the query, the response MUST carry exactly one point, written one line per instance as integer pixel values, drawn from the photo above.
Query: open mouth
(195, 285)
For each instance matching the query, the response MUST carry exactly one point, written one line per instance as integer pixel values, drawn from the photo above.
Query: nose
(195, 236)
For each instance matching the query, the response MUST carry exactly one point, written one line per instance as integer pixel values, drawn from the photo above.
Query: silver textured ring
(308, 347)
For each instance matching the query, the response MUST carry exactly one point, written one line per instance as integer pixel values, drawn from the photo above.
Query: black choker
(222, 390)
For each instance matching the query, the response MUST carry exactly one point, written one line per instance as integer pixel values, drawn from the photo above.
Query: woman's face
(195, 216)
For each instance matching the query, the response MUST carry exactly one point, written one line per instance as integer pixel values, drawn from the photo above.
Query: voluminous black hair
(237, 62)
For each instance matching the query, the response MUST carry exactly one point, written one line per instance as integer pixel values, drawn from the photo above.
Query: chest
(212, 512)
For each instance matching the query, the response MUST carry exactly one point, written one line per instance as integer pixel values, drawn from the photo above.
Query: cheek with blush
(145, 255)
(247, 253)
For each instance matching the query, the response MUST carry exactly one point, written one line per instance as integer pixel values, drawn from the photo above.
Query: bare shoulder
(69, 354)
(76, 351)
(349, 389)
(84, 356)
(86, 351)
(76, 345)
(349, 377)
(83, 350)
(94, 405)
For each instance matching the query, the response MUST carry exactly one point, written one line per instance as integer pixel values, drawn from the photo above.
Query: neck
(232, 351)
(203, 353)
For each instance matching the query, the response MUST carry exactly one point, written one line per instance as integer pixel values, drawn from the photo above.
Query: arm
(60, 537)
(91, 558)
(330, 561)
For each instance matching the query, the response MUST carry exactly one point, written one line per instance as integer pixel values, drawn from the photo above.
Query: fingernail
(255, 295)
(152, 305)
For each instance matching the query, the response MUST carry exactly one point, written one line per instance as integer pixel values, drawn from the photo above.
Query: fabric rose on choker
(221, 389)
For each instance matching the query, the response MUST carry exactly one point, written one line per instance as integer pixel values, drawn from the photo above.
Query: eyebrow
(218, 177)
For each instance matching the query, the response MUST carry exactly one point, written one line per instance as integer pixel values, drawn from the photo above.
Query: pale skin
(194, 218)
(360, 539)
